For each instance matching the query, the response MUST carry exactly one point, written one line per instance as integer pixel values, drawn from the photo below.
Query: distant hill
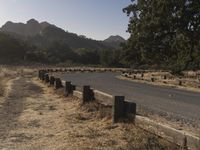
(31, 28)
(35, 42)
(43, 34)
(51, 34)
(114, 41)
(11, 50)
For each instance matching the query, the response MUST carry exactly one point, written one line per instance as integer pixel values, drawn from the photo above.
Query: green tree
(188, 31)
(110, 58)
(11, 50)
(163, 33)
(87, 56)
(59, 52)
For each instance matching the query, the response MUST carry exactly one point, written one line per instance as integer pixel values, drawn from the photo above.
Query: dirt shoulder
(33, 117)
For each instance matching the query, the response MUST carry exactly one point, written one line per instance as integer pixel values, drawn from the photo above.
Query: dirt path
(30, 117)
(33, 117)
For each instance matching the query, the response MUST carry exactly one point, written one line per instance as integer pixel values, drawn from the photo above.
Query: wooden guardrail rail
(120, 109)
(165, 79)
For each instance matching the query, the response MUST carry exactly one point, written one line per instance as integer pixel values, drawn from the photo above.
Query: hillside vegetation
(39, 118)
(46, 43)
(164, 34)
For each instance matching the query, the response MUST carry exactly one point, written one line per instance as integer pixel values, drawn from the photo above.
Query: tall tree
(163, 32)
(188, 25)
(59, 52)
(11, 50)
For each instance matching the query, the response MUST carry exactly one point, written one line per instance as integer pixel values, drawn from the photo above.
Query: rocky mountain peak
(114, 41)
(115, 38)
(32, 21)
(31, 28)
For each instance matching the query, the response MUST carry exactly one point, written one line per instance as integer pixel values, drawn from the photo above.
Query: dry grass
(1, 87)
(5, 75)
(9, 73)
(100, 133)
(33, 117)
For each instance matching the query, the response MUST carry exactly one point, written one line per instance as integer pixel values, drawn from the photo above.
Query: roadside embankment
(100, 97)
(36, 117)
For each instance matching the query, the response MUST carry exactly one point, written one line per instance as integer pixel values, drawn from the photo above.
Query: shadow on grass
(14, 104)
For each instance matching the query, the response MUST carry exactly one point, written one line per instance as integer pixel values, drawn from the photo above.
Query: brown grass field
(35, 117)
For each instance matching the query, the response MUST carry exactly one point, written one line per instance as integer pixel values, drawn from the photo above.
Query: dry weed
(92, 124)
(49, 121)
(139, 139)
(1, 87)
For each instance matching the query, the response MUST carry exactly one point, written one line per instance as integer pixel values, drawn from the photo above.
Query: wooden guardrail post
(123, 110)
(142, 75)
(46, 78)
(130, 110)
(152, 79)
(57, 83)
(40, 74)
(118, 109)
(43, 75)
(87, 94)
(73, 87)
(180, 83)
(52, 80)
(68, 88)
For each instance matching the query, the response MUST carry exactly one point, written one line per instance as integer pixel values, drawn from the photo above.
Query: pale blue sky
(96, 19)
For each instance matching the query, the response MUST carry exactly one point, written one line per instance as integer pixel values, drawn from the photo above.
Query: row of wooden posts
(121, 110)
(88, 70)
(152, 79)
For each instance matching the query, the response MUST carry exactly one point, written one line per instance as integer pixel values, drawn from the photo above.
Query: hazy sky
(96, 19)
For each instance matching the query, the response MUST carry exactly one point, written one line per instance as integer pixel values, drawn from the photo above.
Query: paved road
(170, 102)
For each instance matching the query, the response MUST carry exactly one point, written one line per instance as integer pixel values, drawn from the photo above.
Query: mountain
(31, 28)
(114, 41)
(52, 34)
(35, 42)
(116, 38)
(43, 34)
(11, 50)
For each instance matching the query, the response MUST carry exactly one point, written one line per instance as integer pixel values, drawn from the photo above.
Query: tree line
(15, 51)
(163, 34)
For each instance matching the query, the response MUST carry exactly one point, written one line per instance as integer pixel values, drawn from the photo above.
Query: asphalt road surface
(173, 103)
